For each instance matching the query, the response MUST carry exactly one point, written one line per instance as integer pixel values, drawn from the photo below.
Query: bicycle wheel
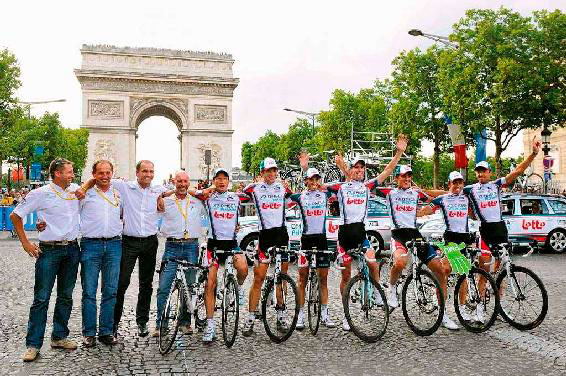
(230, 311)
(367, 320)
(526, 308)
(468, 289)
(275, 315)
(170, 318)
(422, 302)
(314, 303)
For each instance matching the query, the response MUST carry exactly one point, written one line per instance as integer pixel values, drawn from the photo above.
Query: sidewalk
(6, 235)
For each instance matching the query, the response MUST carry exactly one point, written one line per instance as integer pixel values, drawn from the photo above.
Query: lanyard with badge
(60, 195)
(184, 214)
(116, 202)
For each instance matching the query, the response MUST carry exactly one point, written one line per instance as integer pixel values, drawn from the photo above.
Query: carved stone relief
(106, 109)
(213, 114)
(156, 87)
(215, 156)
(104, 149)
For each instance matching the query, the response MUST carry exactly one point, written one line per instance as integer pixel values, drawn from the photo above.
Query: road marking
(531, 343)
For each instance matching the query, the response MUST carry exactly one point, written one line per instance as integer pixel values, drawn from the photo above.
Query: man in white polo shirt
(101, 245)
(57, 256)
(182, 227)
(139, 240)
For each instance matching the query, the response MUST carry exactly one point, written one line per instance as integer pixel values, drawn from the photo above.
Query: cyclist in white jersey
(313, 203)
(485, 197)
(402, 203)
(454, 206)
(269, 198)
(223, 211)
(353, 198)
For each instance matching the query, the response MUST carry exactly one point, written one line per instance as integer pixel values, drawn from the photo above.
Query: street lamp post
(437, 38)
(33, 103)
(545, 135)
(311, 115)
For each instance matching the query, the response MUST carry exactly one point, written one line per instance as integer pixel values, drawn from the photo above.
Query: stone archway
(121, 87)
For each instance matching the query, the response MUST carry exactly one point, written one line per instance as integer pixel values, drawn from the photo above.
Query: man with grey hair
(182, 227)
(139, 240)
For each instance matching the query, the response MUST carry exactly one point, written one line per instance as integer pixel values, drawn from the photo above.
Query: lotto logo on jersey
(355, 201)
(224, 215)
(488, 204)
(457, 214)
(315, 213)
(271, 205)
(405, 208)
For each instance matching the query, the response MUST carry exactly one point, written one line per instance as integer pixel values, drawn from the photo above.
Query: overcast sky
(288, 54)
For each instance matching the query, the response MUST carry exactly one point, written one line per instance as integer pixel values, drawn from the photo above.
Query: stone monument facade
(122, 86)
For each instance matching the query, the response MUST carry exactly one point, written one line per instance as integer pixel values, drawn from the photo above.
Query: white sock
(324, 308)
(251, 316)
(210, 323)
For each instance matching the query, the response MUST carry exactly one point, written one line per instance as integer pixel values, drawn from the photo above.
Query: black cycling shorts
(403, 235)
(320, 242)
(273, 237)
(224, 245)
(494, 233)
(459, 237)
(351, 236)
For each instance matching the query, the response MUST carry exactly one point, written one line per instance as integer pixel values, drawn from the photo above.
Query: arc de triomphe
(122, 86)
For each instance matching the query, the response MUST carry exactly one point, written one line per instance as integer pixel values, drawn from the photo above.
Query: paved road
(501, 351)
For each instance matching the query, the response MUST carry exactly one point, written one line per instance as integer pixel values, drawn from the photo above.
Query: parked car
(378, 228)
(529, 218)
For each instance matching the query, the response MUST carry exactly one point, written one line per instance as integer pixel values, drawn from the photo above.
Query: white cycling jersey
(313, 205)
(486, 200)
(454, 210)
(223, 211)
(269, 200)
(353, 199)
(402, 205)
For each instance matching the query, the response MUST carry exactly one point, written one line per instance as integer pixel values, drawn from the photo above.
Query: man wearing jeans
(182, 228)
(101, 227)
(57, 257)
(139, 240)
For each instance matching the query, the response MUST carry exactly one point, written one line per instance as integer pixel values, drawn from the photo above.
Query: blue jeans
(187, 251)
(99, 257)
(54, 262)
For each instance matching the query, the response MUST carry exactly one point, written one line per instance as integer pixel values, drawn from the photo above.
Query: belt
(117, 237)
(58, 243)
(182, 240)
(138, 237)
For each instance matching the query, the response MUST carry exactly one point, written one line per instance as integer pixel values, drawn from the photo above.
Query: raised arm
(342, 166)
(523, 165)
(388, 170)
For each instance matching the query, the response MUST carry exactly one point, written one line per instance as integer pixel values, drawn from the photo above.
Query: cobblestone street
(501, 351)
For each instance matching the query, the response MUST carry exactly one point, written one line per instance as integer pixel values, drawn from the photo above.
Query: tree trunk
(498, 147)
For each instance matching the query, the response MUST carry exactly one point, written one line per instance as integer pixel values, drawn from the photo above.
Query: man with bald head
(182, 227)
(139, 240)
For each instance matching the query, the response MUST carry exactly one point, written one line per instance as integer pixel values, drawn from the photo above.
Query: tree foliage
(417, 110)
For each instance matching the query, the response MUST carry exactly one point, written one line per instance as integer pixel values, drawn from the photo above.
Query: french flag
(459, 142)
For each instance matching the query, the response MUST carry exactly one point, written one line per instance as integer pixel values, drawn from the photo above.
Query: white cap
(358, 160)
(219, 170)
(312, 172)
(455, 175)
(402, 170)
(267, 163)
(483, 164)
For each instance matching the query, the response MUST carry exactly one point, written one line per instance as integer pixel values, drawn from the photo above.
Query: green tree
(547, 72)
(418, 107)
(298, 137)
(266, 146)
(486, 82)
(247, 155)
(365, 111)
